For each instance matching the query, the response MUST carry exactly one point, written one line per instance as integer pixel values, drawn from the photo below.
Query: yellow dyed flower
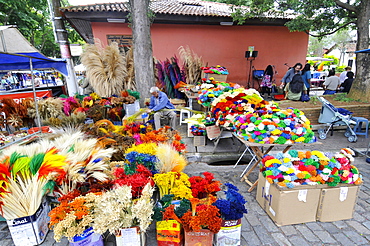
(145, 148)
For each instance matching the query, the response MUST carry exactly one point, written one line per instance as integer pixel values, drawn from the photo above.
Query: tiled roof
(172, 7)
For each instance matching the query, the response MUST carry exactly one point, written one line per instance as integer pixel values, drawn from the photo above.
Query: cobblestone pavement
(257, 227)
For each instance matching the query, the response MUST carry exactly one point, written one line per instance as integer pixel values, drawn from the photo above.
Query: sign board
(213, 132)
(122, 40)
(18, 97)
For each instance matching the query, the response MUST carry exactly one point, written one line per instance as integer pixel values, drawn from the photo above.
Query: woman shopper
(296, 69)
(306, 76)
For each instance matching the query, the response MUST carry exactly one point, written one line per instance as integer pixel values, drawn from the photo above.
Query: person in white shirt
(343, 75)
(331, 84)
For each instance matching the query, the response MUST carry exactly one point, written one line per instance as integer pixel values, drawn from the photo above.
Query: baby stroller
(333, 116)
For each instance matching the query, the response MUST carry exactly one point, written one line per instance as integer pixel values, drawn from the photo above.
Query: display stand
(257, 152)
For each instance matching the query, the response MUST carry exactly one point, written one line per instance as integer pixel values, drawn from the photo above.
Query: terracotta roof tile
(174, 7)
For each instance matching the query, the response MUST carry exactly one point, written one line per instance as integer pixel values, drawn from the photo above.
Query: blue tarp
(363, 51)
(12, 61)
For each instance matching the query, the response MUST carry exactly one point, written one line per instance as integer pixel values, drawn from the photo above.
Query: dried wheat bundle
(105, 68)
(130, 79)
(72, 121)
(192, 64)
(48, 108)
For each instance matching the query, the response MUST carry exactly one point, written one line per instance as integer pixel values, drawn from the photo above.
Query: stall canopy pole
(38, 120)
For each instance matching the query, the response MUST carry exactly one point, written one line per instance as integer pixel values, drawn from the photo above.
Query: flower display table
(257, 151)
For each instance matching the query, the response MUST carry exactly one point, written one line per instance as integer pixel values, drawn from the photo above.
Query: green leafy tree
(32, 18)
(320, 17)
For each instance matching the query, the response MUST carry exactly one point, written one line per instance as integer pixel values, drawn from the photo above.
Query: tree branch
(328, 33)
(345, 6)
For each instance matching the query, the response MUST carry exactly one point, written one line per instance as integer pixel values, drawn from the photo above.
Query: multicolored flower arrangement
(233, 207)
(271, 125)
(202, 215)
(215, 70)
(296, 168)
(72, 217)
(198, 130)
(134, 176)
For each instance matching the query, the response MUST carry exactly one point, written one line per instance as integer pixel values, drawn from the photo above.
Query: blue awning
(21, 61)
(363, 51)
(16, 52)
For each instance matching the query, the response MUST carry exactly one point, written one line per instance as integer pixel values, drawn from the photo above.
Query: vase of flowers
(170, 231)
(127, 218)
(231, 210)
(200, 222)
(73, 217)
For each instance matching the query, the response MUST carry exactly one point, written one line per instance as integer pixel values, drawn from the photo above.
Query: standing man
(159, 101)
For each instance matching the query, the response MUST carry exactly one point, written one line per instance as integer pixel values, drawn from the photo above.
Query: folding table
(257, 152)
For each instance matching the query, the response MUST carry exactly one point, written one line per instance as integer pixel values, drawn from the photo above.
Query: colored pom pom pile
(215, 70)
(296, 168)
(198, 130)
(253, 118)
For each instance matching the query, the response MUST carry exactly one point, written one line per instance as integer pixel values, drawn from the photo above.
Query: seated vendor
(160, 104)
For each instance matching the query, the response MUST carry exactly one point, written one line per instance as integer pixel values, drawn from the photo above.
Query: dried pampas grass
(169, 159)
(105, 68)
(192, 64)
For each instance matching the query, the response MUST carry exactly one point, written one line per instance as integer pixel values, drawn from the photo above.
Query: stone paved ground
(257, 227)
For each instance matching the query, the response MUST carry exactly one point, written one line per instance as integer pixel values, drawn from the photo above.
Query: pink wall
(223, 45)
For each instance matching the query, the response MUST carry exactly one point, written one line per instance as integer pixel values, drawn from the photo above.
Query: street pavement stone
(251, 238)
(329, 227)
(342, 238)
(356, 238)
(269, 224)
(298, 240)
(281, 239)
(288, 230)
(325, 236)
(358, 227)
(263, 235)
(341, 224)
(257, 227)
(367, 224)
(358, 217)
(307, 233)
(314, 226)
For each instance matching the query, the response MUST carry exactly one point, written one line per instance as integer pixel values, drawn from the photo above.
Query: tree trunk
(143, 53)
(361, 85)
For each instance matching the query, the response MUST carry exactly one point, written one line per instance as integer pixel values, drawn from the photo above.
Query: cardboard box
(337, 203)
(132, 108)
(288, 206)
(30, 230)
(217, 77)
(169, 233)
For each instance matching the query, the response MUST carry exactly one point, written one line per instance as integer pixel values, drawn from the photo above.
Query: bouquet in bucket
(233, 207)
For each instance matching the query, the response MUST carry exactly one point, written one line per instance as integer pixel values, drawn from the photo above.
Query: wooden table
(256, 149)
